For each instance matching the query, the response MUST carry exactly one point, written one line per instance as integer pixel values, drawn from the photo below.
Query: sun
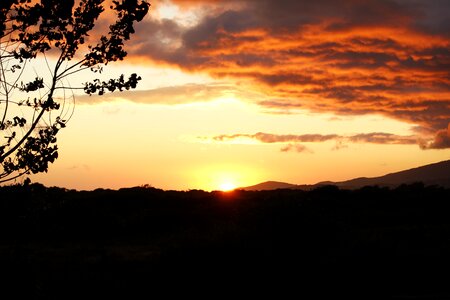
(225, 177)
(227, 186)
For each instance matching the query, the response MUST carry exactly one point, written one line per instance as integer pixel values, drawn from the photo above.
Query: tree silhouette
(42, 44)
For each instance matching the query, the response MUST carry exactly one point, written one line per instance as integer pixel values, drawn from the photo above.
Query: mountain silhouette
(274, 185)
(432, 174)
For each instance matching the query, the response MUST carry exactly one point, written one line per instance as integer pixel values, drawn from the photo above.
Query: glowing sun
(227, 186)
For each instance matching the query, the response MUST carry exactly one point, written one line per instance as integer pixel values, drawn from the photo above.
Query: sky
(237, 92)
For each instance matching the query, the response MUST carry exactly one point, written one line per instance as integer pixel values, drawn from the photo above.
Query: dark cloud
(290, 14)
(283, 78)
(441, 140)
(431, 16)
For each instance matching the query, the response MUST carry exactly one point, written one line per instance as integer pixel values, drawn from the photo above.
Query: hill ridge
(431, 174)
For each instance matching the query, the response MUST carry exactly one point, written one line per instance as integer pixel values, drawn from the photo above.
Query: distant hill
(432, 174)
(274, 185)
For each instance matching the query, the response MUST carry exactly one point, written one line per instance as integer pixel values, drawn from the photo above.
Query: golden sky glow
(239, 92)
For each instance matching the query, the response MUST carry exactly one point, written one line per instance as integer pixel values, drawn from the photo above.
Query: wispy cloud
(292, 142)
(296, 148)
(274, 138)
(83, 167)
(173, 95)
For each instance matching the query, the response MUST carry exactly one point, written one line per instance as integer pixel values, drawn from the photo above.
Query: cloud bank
(350, 57)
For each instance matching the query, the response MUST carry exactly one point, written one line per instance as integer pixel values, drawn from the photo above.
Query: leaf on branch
(14, 67)
(19, 121)
(99, 87)
(11, 137)
(32, 86)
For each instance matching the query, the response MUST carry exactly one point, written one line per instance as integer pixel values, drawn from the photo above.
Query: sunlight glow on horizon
(225, 104)
(227, 186)
(212, 176)
(134, 143)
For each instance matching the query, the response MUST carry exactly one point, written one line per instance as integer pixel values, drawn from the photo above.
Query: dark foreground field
(145, 243)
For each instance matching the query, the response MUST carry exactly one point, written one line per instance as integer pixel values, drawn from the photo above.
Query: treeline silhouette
(371, 243)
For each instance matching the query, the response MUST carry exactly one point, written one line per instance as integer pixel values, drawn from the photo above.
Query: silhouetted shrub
(397, 237)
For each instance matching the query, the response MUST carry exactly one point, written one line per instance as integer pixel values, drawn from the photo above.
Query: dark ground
(137, 243)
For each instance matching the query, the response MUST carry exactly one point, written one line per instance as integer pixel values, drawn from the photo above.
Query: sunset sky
(243, 91)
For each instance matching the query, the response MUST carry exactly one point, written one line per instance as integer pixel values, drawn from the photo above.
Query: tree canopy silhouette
(42, 44)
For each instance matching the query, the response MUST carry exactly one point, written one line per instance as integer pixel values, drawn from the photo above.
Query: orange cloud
(389, 57)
